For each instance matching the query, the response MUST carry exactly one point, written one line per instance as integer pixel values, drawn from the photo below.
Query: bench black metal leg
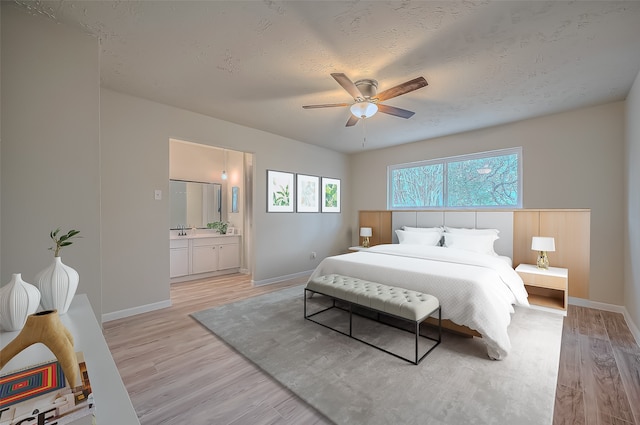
(417, 333)
(350, 334)
(439, 324)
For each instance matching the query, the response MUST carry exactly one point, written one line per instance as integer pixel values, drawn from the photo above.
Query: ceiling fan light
(364, 109)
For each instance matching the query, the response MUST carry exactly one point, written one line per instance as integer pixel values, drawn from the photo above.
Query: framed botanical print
(330, 195)
(280, 191)
(308, 193)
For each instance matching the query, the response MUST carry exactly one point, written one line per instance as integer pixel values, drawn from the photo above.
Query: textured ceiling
(256, 63)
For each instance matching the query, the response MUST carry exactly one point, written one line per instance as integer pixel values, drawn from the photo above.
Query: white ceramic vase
(57, 284)
(18, 299)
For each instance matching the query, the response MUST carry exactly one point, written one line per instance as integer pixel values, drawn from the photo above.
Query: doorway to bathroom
(211, 192)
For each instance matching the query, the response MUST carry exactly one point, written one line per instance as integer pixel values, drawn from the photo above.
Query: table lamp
(366, 233)
(543, 245)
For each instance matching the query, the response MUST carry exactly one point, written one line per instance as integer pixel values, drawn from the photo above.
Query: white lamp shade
(365, 232)
(364, 109)
(541, 243)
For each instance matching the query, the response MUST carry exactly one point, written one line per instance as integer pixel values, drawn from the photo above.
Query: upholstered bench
(400, 303)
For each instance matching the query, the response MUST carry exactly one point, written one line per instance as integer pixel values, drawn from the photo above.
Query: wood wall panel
(571, 230)
(525, 225)
(572, 233)
(380, 223)
(385, 227)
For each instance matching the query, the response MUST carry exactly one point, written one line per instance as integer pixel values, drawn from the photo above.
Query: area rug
(352, 383)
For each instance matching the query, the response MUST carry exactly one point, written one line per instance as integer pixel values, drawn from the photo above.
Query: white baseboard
(581, 302)
(632, 326)
(198, 276)
(609, 307)
(120, 314)
(281, 278)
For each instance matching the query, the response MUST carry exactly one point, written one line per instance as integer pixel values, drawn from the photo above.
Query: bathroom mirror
(194, 204)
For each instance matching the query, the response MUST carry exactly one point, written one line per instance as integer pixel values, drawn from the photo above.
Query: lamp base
(543, 260)
(365, 242)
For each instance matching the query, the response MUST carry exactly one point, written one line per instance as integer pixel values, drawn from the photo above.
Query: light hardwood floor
(177, 372)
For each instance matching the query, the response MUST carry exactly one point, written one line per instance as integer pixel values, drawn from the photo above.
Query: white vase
(57, 284)
(18, 299)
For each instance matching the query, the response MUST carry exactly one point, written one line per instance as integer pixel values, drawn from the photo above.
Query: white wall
(632, 219)
(50, 147)
(190, 161)
(195, 162)
(571, 160)
(235, 170)
(135, 137)
(1, 142)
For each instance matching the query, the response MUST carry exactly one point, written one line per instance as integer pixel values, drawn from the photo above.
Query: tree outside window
(488, 179)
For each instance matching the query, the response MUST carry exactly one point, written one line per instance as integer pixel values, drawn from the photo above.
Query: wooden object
(380, 223)
(455, 328)
(571, 231)
(546, 287)
(45, 327)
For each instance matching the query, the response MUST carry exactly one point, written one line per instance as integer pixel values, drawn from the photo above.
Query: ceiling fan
(366, 100)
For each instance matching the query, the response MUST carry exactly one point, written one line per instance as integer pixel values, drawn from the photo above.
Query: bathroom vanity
(202, 254)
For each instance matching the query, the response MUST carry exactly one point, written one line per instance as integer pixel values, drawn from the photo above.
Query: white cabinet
(204, 255)
(198, 255)
(178, 258)
(229, 256)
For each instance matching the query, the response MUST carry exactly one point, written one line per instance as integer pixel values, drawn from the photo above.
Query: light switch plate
(158, 194)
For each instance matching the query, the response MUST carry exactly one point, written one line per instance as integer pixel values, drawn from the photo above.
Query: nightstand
(357, 248)
(546, 287)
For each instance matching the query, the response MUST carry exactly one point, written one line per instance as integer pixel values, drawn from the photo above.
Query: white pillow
(480, 243)
(471, 231)
(418, 238)
(422, 229)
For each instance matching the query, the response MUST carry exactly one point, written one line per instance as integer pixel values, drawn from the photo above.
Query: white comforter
(474, 290)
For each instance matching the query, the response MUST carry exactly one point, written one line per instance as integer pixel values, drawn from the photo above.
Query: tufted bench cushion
(411, 305)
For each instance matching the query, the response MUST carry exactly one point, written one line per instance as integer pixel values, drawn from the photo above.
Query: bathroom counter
(200, 234)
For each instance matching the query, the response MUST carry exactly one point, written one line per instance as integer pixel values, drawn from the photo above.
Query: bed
(476, 289)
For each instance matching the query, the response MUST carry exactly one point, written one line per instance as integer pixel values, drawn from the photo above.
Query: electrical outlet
(313, 255)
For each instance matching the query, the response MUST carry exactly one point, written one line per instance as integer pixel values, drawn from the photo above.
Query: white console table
(113, 405)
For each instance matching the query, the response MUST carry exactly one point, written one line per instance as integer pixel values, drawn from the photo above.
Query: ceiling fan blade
(347, 84)
(392, 110)
(403, 88)
(353, 120)
(326, 105)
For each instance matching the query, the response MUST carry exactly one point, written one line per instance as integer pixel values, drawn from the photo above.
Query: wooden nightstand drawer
(544, 281)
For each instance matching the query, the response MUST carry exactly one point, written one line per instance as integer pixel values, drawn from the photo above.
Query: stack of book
(40, 394)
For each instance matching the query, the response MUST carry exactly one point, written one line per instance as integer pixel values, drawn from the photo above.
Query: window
(488, 179)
